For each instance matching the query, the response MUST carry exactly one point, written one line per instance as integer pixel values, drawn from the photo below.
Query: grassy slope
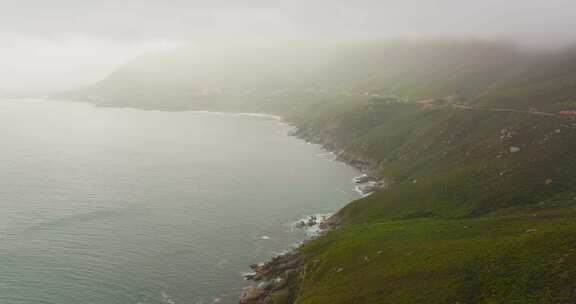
(424, 69)
(466, 220)
(526, 258)
(549, 83)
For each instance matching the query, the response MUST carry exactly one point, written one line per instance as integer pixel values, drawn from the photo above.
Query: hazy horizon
(287, 151)
(67, 44)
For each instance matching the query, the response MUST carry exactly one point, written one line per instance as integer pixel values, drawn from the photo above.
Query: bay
(104, 206)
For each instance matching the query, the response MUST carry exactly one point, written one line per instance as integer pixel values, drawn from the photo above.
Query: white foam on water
(329, 156)
(221, 263)
(315, 228)
(247, 274)
(359, 177)
(165, 298)
(262, 115)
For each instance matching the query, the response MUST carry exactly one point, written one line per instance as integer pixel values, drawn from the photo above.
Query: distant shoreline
(269, 270)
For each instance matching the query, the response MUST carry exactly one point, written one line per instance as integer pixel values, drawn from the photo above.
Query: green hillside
(547, 83)
(480, 207)
(523, 258)
(480, 203)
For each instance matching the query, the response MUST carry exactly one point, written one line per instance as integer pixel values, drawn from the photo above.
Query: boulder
(252, 295)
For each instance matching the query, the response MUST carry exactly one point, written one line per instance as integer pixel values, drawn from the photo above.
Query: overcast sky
(56, 44)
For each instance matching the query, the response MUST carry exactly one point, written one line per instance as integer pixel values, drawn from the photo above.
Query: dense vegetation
(480, 206)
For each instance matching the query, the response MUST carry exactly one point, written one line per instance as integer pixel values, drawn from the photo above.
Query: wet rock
(368, 188)
(284, 279)
(275, 266)
(372, 186)
(330, 223)
(252, 295)
(273, 276)
(309, 222)
(267, 285)
(364, 179)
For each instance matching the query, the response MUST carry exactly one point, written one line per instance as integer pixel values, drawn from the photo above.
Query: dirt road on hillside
(529, 112)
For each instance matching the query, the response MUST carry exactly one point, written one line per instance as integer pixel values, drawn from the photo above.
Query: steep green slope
(526, 258)
(548, 83)
(480, 206)
(467, 158)
(425, 69)
(481, 209)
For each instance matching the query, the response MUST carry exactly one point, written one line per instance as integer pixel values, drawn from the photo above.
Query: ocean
(105, 205)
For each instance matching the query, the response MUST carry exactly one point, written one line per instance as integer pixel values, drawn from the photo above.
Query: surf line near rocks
(278, 274)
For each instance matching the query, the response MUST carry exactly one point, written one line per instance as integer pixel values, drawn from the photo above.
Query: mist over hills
(461, 116)
(192, 77)
(255, 77)
(470, 144)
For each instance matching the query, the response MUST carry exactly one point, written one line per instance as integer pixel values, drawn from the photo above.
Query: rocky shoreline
(276, 280)
(370, 181)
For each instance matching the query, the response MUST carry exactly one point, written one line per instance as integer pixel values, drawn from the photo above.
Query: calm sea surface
(106, 206)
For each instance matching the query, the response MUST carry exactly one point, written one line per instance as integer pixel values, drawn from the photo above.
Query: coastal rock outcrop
(252, 295)
(275, 278)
